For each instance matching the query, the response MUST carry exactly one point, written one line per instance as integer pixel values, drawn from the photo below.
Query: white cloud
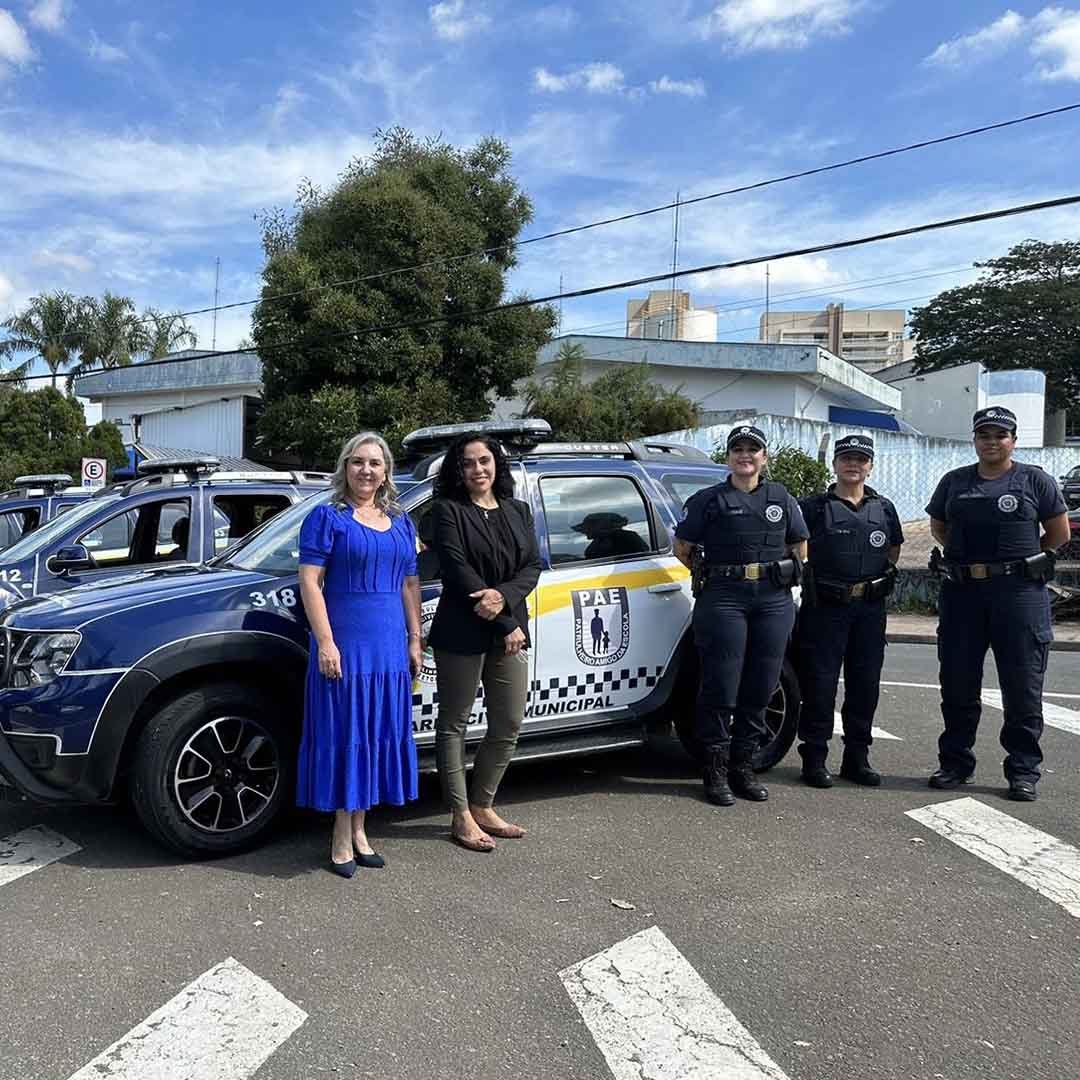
(103, 51)
(49, 15)
(1057, 36)
(595, 78)
(70, 260)
(15, 47)
(980, 44)
(289, 98)
(686, 87)
(7, 290)
(800, 271)
(455, 20)
(554, 17)
(749, 25)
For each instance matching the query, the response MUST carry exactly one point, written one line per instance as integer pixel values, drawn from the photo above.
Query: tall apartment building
(669, 316)
(872, 339)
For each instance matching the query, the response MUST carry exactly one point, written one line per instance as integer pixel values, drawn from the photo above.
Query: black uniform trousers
(741, 629)
(831, 638)
(1011, 616)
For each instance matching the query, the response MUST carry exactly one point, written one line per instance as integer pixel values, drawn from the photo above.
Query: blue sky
(138, 139)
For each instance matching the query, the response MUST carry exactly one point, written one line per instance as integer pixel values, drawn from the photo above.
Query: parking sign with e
(93, 472)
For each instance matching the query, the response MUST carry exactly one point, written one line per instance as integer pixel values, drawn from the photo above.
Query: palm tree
(50, 327)
(111, 333)
(163, 333)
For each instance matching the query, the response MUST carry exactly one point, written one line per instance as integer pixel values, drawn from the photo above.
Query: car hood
(74, 606)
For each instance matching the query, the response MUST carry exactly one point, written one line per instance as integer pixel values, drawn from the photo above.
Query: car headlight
(39, 658)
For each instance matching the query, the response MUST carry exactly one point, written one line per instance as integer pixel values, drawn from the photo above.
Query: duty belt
(755, 571)
(844, 590)
(980, 571)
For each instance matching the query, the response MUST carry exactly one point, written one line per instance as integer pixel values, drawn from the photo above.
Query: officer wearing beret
(753, 536)
(996, 565)
(855, 539)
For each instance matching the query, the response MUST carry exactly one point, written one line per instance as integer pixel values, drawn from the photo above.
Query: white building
(669, 315)
(190, 399)
(785, 380)
(942, 403)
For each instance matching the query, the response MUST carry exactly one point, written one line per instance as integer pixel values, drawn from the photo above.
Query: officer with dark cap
(753, 536)
(996, 565)
(855, 539)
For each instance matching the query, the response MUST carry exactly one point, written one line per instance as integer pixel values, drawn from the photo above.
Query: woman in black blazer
(490, 562)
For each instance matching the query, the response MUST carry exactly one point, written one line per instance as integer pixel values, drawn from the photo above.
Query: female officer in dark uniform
(994, 595)
(855, 539)
(749, 528)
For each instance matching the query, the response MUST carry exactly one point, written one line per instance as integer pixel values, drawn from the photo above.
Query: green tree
(49, 327)
(1024, 312)
(111, 333)
(44, 431)
(412, 203)
(623, 403)
(162, 333)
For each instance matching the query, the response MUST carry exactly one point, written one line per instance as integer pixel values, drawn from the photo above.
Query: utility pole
(560, 305)
(766, 301)
(674, 267)
(217, 282)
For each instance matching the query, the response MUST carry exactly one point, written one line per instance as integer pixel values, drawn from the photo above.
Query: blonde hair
(386, 498)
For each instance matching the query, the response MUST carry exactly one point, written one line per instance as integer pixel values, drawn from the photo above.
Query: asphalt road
(849, 940)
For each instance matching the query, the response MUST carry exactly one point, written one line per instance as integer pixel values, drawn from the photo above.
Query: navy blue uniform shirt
(813, 508)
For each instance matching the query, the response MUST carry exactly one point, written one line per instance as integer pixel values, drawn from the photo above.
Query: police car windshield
(275, 548)
(41, 538)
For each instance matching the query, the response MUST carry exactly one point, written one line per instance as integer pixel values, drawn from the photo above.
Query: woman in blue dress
(361, 595)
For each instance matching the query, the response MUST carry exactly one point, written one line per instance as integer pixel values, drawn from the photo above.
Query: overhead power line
(445, 260)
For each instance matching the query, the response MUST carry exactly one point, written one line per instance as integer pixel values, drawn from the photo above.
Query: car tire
(781, 718)
(213, 769)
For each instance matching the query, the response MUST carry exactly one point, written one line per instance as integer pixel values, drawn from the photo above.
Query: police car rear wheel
(210, 770)
(781, 721)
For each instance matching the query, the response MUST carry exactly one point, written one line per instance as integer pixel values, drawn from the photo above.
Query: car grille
(5, 653)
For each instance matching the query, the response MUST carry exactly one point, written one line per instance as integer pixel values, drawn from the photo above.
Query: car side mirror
(73, 557)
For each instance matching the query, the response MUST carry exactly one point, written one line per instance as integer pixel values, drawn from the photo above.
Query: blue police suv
(33, 501)
(183, 690)
(177, 511)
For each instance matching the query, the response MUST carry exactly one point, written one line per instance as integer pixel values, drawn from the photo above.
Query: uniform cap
(996, 415)
(855, 444)
(747, 431)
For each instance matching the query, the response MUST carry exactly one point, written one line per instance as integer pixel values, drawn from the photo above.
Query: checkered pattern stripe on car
(594, 682)
(589, 682)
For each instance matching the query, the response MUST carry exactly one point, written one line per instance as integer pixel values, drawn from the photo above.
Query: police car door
(612, 604)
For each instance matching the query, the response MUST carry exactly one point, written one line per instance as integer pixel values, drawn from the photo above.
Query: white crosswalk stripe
(875, 733)
(224, 1024)
(31, 849)
(1055, 716)
(1042, 862)
(652, 1015)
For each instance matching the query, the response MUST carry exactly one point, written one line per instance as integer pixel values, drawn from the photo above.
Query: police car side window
(594, 517)
(14, 524)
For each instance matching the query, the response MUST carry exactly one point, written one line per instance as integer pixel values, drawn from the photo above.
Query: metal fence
(906, 467)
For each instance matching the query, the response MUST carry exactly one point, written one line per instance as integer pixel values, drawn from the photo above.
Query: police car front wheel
(210, 770)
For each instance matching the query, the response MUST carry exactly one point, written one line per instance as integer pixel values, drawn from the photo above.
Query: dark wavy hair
(450, 481)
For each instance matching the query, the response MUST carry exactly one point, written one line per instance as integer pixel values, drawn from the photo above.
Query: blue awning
(866, 418)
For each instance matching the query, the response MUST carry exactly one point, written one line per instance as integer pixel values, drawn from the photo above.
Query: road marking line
(653, 1015)
(1055, 716)
(224, 1024)
(875, 733)
(1041, 861)
(24, 852)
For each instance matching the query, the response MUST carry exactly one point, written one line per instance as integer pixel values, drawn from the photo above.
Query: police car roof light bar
(517, 434)
(50, 483)
(191, 465)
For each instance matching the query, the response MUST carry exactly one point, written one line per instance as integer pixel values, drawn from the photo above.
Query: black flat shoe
(947, 779)
(1022, 791)
(374, 861)
(344, 869)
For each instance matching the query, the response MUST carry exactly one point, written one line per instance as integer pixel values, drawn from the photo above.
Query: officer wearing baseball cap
(994, 572)
(749, 536)
(855, 539)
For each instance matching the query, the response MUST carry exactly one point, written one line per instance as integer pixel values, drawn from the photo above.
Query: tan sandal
(474, 843)
(505, 832)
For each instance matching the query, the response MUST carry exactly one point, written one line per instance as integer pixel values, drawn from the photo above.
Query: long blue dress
(357, 748)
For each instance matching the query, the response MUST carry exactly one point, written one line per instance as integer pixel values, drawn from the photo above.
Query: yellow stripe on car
(553, 597)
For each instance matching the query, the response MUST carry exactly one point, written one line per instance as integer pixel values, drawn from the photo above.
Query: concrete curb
(931, 639)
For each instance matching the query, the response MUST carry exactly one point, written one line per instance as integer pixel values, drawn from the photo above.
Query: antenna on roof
(217, 282)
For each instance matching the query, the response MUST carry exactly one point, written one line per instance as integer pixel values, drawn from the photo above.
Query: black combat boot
(743, 781)
(856, 767)
(717, 789)
(815, 773)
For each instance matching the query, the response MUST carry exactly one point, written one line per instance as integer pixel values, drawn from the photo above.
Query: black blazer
(467, 561)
